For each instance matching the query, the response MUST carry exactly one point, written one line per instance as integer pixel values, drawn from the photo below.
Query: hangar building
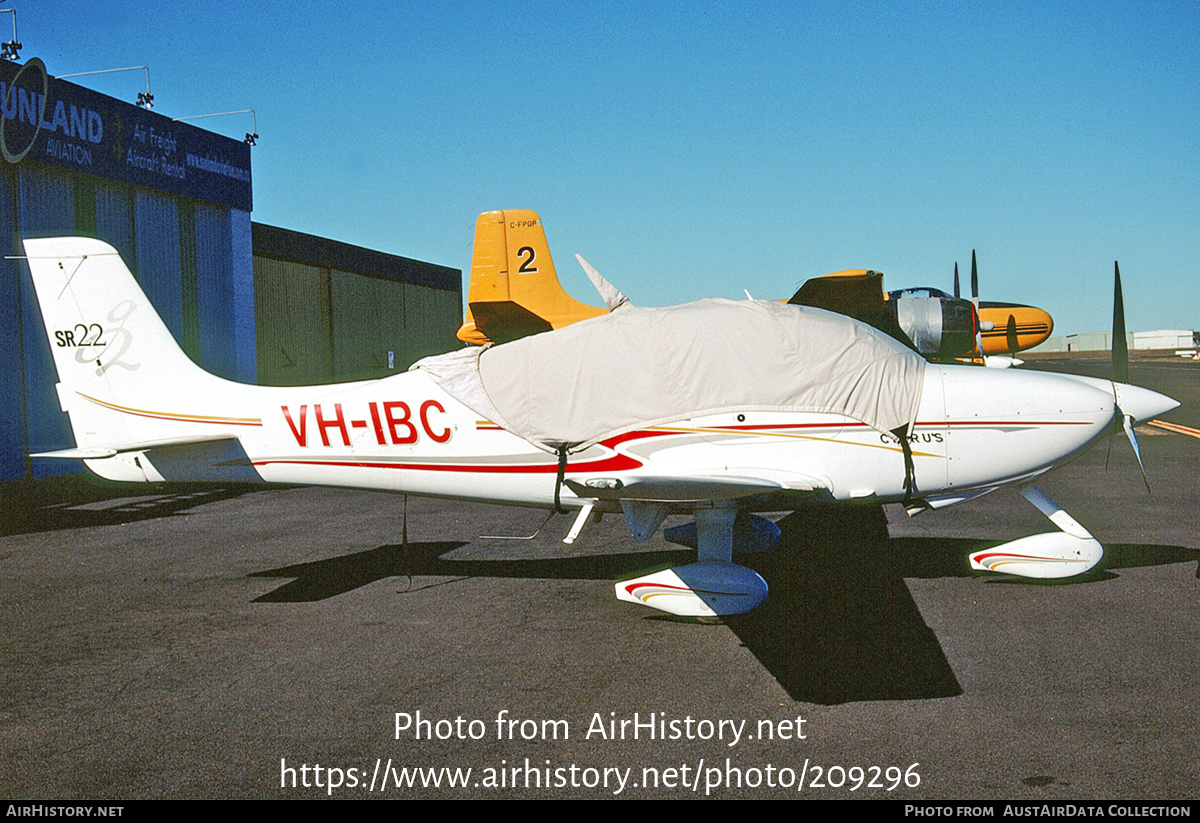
(246, 301)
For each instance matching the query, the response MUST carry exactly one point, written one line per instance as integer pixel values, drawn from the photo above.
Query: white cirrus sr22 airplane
(715, 408)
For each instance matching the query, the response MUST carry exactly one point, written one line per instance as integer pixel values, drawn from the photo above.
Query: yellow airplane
(515, 292)
(940, 326)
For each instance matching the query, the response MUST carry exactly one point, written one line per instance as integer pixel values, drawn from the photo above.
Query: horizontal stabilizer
(100, 452)
(210, 458)
(78, 454)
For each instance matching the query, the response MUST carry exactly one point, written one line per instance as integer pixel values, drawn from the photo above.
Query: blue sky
(698, 149)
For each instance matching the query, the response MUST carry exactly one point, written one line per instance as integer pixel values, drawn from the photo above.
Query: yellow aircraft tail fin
(514, 290)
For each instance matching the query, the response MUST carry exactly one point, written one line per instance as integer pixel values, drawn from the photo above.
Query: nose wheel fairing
(1068, 552)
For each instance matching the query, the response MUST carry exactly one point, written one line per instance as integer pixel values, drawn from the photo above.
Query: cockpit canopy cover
(639, 367)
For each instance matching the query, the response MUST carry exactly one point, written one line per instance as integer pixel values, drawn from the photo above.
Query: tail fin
(514, 290)
(123, 380)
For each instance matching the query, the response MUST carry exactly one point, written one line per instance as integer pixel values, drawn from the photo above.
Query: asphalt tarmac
(223, 641)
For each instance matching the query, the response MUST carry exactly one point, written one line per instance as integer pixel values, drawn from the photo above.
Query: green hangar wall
(329, 312)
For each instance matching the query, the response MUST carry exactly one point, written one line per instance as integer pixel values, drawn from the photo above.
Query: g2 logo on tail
(121, 337)
(85, 338)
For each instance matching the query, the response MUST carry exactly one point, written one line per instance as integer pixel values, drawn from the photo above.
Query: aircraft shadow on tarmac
(327, 578)
(839, 626)
(84, 501)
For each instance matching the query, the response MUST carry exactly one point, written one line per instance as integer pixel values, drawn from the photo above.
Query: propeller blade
(1114, 429)
(974, 280)
(1120, 349)
(1120, 367)
(975, 303)
(1010, 334)
(1127, 422)
(956, 278)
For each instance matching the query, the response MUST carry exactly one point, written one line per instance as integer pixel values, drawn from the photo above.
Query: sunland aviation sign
(52, 121)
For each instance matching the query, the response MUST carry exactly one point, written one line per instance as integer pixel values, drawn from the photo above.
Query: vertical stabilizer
(123, 379)
(514, 290)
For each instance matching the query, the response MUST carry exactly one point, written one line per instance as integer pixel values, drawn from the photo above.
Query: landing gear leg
(714, 532)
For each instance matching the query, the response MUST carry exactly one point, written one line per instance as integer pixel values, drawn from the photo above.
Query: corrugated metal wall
(156, 239)
(12, 391)
(368, 329)
(241, 286)
(46, 207)
(214, 291)
(291, 318)
(431, 320)
(320, 322)
(319, 325)
(114, 220)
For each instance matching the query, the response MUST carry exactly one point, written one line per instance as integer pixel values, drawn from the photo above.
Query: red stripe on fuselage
(614, 462)
(618, 462)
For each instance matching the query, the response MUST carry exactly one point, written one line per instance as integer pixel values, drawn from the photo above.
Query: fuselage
(976, 428)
